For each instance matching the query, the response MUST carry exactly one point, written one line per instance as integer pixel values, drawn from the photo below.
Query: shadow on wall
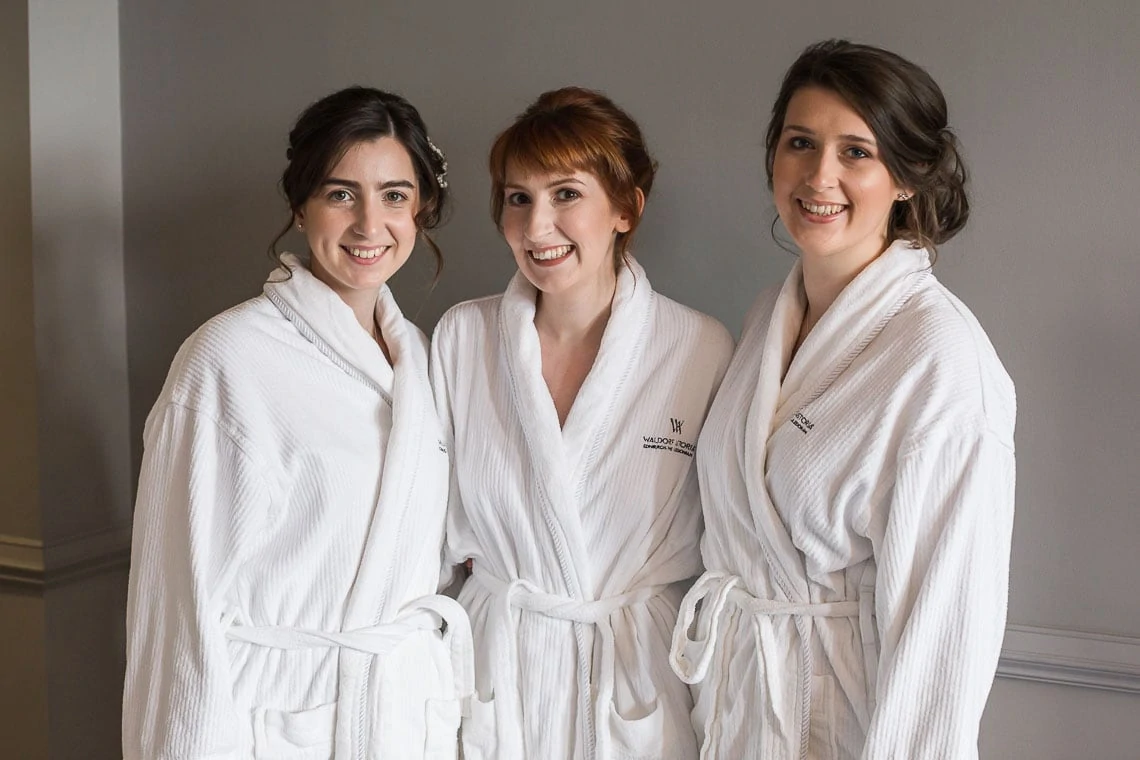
(86, 662)
(214, 225)
(82, 377)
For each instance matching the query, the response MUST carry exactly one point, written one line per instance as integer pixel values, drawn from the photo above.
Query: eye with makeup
(395, 197)
(797, 142)
(339, 196)
(517, 199)
(857, 153)
(566, 194)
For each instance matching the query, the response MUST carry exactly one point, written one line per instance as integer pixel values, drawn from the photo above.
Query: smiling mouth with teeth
(550, 254)
(826, 209)
(364, 253)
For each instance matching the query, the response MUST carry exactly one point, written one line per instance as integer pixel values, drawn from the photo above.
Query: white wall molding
(1071, 658)
(30, 562)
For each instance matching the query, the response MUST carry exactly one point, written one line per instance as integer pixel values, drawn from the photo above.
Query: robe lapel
(323, 318)
(518, 342)
(622, 346)
(779, 340)
(412, 445)
(858, 314)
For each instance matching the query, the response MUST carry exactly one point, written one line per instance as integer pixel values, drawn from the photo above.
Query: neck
(363, 305)
(576, 315)
(825, 277)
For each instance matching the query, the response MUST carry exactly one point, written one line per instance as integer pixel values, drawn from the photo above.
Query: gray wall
(1042, 95)
(19, 493)
(66, 477)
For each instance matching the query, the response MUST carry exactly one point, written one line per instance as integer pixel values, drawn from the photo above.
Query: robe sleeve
(441, 367)
(201, 507)
(940, 595)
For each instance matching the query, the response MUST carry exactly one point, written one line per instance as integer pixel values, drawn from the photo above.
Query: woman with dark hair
(857, 466)
(572, 402)
(291, 505)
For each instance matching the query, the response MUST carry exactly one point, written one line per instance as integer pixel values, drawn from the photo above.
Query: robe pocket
(441, 729)
(478, 734)
(639, 736)
(822, 739)
(294, 735)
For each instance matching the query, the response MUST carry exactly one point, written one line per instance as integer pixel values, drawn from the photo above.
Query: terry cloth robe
(858, 510)
(287, 544)
(581, 536)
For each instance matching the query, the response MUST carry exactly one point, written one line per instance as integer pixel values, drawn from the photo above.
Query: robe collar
(562, 455)
(856, 316)
(860, 312)
(324, 319)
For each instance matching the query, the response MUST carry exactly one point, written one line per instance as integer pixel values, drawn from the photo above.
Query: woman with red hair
(573, 402)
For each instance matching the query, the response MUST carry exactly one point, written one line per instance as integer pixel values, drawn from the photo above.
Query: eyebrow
(553, 183)
(806, 131)
(356, 185)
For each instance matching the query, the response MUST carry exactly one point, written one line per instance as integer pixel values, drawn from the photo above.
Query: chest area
(632, 445)
(831, 464)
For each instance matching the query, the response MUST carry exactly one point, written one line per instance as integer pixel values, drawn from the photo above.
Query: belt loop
(712, 589)
(458, 640)
(868, 634)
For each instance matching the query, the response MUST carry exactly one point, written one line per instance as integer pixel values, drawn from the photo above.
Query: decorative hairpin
(441, 178)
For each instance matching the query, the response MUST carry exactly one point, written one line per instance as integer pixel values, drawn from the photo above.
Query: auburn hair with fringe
(574, 129)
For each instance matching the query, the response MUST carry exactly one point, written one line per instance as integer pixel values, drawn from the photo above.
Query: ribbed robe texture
(858, 507)
(287, 544)
(583, 536)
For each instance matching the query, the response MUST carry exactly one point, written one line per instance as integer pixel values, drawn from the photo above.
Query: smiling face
(561, 229)
(831, 188)
(360, 223)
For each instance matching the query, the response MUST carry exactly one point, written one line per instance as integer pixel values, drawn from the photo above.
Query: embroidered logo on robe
(802, 422)
(670, 443)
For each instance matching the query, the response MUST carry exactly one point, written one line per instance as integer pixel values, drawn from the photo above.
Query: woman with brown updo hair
(291, 505)
(857, 466)
(573, 403)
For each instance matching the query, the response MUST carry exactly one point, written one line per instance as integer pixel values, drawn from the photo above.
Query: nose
(539, 221)
(822, 170)
(369, 218)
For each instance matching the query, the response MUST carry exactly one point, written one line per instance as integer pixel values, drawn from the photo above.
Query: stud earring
(903, 197)
(300, 227)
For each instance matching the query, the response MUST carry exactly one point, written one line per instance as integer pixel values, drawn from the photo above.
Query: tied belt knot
(690, 658)
(428, 613)
(525, 595)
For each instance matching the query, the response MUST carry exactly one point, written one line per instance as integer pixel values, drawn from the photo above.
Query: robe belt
(503, 645)
(690, 658)
(428, 613)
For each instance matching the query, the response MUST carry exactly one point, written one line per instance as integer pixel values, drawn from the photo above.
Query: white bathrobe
(581, 536)
(287, 544)
(858, 507)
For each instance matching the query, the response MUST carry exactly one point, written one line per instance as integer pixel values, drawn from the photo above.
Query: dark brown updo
(906, 111)
(328, 128)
